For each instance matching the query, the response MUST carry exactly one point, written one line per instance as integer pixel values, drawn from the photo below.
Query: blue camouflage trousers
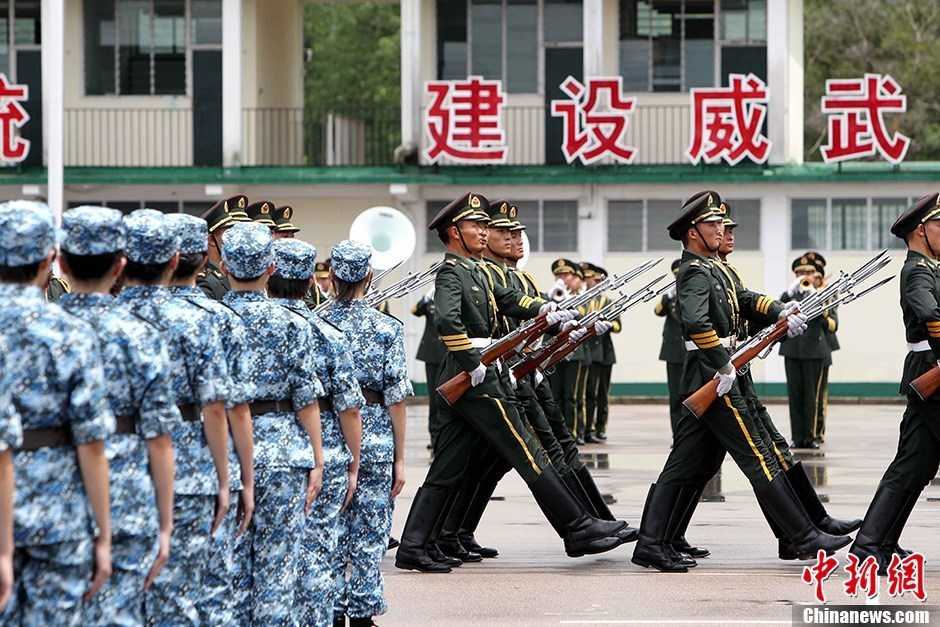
(363, 539)
(267, 554)
(171, 600)
(121, 599)
(216, 604)
(50, 580)
(315, 591)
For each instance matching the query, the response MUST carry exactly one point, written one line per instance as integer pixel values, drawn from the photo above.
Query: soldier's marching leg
(590, 403)
(822, 406)
(120, 601)
(277, 529)
(570, 377)
(368, 517)
(801, 387)
(172, 597)
(49, 583)
(479, 499)
(580, 400)
(431, 371)
(315, 580)
(215, 603)
(603, 400)
(673, 382)
(587, 426)
(556, 420)
(914, 465)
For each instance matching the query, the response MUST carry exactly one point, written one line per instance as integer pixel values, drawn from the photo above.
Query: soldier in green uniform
(566, 379)
(466, 319)
(831, 327)
(431, 351)
(603, 358)
(283, 227)
(672, 350)
(711, 312)
(219, 217)
(806, 358)
(55, 288)
(918, 454)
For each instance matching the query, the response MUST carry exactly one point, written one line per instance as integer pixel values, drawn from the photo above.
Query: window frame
(187, 55)
(12, 45)
(869, 218)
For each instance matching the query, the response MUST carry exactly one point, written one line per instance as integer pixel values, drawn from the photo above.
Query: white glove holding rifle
(601, 327)
(556, 315)
(796, 319)
(726, 376)
(477, 375)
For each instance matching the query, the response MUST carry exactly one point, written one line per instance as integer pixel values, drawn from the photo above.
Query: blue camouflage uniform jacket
(337, 374)
(377, 345)
(278, 364)
(57, 382)
(198, 374)
(137, 378)
(231, 331)
(11, 429)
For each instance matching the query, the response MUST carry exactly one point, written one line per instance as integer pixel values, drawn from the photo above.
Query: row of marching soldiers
(184, 459)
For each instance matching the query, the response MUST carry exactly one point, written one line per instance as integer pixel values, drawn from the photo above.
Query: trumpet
(559, 292)
(806, 284)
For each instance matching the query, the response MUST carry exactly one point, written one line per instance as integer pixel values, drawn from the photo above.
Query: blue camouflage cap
(247, 249)
(150, 239)
(350, 260)
(89, 230)
(295, 259)
(27, 232)
(192, 231)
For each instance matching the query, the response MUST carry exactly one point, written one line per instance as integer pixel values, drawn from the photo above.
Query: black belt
(326, 403)
(373, 397)
(190, 412)
(35, 439)
(270, 407)
(126, 424)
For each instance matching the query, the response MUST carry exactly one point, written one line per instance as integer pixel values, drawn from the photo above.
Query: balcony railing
(321, 137)
(128, 137)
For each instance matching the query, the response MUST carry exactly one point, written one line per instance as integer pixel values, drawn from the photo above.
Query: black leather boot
(884, 521)
(471, 520)
(785, 549)
(470, 543)
(583, 534)
(576, 488)
(594, 494)
(435, 553)
(891, 541)
(448, 540)
(594, 504)
(817, 512)
(795, 524)
(427, 507)
(688, 501)
(652, 549)
(392, 543)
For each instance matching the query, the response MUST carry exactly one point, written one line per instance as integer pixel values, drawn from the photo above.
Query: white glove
(539, 377)
(602, 326)
(548, 307)
(796, 324)
(794, 288)
(512, 379)
(570, 324)
(560, 315)
(671, 292)
(577, 334)
(792, 307)
(726, 376)
(477, 375)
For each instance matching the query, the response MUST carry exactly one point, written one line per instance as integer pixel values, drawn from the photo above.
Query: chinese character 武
(727, 122)
(594, 120)
(856, 126)
(464, 121)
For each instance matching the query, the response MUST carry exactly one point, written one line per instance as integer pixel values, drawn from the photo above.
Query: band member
(672, 350)
(711, 313)
(219, 217)
(807, 358)
(431, 351)
(918, 454)
(567, 381)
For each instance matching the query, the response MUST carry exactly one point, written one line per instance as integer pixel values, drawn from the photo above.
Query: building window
(640, 225)
(499, 39)
(845, 223)
(139, 47)
(743, 37)
(551, 225)
(25, 33)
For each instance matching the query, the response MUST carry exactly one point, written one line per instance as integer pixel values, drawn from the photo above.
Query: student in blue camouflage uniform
(216, 602)
(378, 349)
(342, 431)
(11, 436)
(201, 387)
(59, 392)
(279, 370)
(137, 377)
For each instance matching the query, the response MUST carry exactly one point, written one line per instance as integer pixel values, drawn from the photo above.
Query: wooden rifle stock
(455, 387)
(927, 384)
(533, 359)
(699, 402)
(568, 347)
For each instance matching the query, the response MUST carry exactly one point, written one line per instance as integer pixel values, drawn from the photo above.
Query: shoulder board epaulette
(450, 262)
(694, 262)
(922, 262)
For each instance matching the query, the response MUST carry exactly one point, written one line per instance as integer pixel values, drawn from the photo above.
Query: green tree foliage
(846, 38)
(354, 55)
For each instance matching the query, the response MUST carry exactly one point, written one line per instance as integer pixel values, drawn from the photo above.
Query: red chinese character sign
(856, 127)
(728, 122)
(594, 120)
(13, 148)
(464, 121)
